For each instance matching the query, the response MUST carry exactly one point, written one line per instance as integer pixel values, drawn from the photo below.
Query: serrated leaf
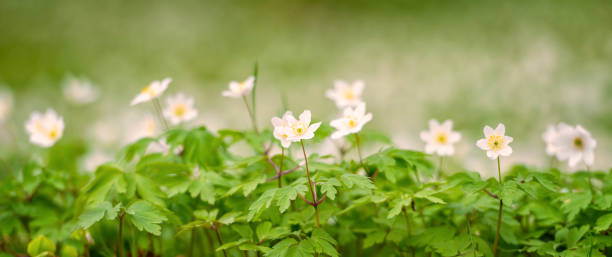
(329, 187)
(93, 215)
(604, 222)
(146, 217)
(350, 180)
(324, 243)
(264, 201)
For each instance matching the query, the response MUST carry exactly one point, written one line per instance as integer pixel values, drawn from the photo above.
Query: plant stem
(158, 111)
(310, 186)
(280, 174)
(440, 166)
(499, 214)
(359, 151)
(469, 230)
(251, 114)
(408, 228)
(120, 241)
(191, 243)
(216, 229)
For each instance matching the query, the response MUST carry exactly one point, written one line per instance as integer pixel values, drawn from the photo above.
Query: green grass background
(523, 63)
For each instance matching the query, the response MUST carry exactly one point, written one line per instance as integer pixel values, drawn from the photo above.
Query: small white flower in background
(80, 91)
(495, 142)
(550, 137)
(45, 129)
(239, 89)
(352, 121)
(575, 144)
(6, 104)
(302, 129)
(179, 109)
(143, 128)
(440, 138)
(282, 129)
(161, 146)
(345, 94)
(94, 159)
(152, 91)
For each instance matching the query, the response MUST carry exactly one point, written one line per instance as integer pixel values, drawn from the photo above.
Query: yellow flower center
(180, 110)
(496, 142)
(148, 90)
(442, 138)
(578, 143)
(299, 128)
(348, 95)
(53, 133)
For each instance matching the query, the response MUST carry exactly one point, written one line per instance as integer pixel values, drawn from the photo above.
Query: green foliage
(201, 191)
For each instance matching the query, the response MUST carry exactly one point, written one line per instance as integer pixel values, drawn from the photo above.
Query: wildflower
(143, 128)
(282, 128)
(152, 91)
(6, 104)
(180, 108)
(301, 129)
(94, 159)
(239, 89)
(550, 137)
(80, 91)
(575, 144)
(495, 142)
(346, 95)
(351, 121)
(45, 129)
(440, 138)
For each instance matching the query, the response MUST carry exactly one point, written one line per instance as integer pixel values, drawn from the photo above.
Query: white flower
(351, 121)
(495, 142)
(346, 95)
(440, 138)
(143, 128)
(152, 91)
(94, 159)
(80, 91)
(282, 129)
(575, 144)
(45, 129)
(239, 89)
(301, 129)
(550, 137)
(179, 109)
(6, 104)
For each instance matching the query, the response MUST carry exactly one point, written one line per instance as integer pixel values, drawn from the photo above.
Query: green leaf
(427, 194)
(93, 215)
(572, 204)
(229, 217)
(149, 190)
(146, 217)
(280, 249)
(329, 187)
(231, 245)
(324, 243)
(362, 182)
(397, 206)
(511, 192)
(69, 251)
(603, 223)
(202, 147)
(40, 245)
(263, 202)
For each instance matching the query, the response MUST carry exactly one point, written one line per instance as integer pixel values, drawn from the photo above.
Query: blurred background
(526, 64)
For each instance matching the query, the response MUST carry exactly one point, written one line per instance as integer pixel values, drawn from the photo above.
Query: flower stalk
(311, 184)
(499, 214)
(158, 112)
(251, 114)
